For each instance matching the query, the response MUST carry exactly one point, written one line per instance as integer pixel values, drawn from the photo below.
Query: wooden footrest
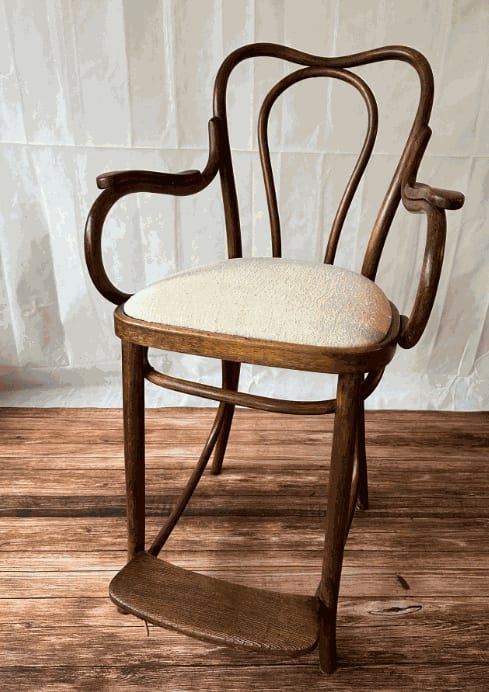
(215, 610)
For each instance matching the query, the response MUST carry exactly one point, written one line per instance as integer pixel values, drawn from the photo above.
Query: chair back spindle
(336, 68)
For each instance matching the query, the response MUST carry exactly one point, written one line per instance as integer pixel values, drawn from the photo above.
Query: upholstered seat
(270, 298)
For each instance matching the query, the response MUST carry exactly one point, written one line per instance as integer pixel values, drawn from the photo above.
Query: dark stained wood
(133, 358)
(58, 626)
(417, 197)
(412, 328)
(393, 195)
(230, 380)
(118, 184)
(229, 393)
(152, 180)
(360, 165)
(231, 396)
(354, 366)
(361, 460)
(436, 197)
(338, 516)
(215, 610)
(189, 488)
(259, 351)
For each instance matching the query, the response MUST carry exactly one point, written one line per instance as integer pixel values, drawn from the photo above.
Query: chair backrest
(337, 68)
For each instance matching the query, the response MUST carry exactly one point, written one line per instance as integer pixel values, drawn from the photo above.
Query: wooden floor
(414, 600)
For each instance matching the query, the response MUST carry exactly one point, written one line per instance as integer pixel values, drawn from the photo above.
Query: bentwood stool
(306, 316)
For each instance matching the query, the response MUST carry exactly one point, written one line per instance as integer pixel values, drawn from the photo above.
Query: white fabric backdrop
(94, 85)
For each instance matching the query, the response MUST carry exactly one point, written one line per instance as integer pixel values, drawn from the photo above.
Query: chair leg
(230, 379)
(361, 455)
(133, 360)
(337, 517)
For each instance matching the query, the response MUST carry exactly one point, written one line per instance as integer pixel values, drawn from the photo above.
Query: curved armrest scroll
(412, 327)
(180, 183)
(421, 198)
(117, 184)
(437, 197)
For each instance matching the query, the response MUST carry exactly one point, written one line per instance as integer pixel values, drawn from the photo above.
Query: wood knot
(396, 610)
(403, 582)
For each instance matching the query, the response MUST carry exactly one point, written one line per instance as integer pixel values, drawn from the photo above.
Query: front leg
(337, 517)
(133, 364)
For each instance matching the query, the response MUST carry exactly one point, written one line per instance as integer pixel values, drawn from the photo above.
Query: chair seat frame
(137, 587)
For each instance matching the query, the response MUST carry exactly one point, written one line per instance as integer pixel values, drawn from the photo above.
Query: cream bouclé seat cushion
(276, 299)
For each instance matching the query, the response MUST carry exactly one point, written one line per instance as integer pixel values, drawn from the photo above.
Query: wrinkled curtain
(94, 85)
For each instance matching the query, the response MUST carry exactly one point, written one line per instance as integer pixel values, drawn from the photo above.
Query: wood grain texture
(133, 358)
(414, 598)
(215, 610)
(292, 677)
(338, 517)
(242, 349)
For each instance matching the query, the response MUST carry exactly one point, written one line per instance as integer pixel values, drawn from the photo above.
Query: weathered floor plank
(274, 678)
(414, 602)
(96, 534)
(81, 644)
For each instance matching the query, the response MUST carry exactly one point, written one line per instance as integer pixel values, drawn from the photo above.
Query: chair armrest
(437, 197)
(412, 327)
(117, 184)
(421, 198)
(152, 181)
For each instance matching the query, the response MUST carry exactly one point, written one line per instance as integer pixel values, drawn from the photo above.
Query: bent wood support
(231, 396)
(359, 487)
(361, 460)
(187, 492)
(337, 513)
(230, 379)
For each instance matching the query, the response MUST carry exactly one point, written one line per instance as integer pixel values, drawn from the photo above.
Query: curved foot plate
(216, 610)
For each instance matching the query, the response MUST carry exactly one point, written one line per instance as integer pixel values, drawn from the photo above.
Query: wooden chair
(318, 318)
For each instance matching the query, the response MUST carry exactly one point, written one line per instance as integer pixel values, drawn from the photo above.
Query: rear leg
(361, 460)
(230, 379)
